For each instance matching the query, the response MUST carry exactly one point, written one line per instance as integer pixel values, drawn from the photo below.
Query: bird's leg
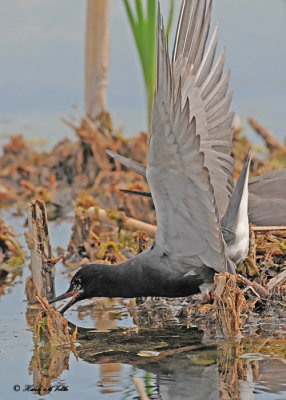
(209, 297)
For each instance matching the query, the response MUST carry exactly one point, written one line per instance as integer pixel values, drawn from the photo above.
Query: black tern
(202, 222)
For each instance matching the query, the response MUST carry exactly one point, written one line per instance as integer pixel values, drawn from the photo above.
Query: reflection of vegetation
(46, 365)
(144, 32)
(52, 328)
(148, 379)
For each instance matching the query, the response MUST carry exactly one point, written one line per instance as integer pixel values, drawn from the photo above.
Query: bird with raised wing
(202, 223)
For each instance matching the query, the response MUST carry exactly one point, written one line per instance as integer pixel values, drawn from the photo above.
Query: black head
(80, 287)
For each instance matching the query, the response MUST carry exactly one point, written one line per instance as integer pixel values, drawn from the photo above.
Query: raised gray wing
(203, 83)
(188, 226)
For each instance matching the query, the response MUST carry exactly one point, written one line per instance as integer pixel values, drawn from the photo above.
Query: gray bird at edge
(266, 193)
(190, 174)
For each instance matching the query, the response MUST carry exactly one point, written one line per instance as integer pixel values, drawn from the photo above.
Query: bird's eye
(77, 283)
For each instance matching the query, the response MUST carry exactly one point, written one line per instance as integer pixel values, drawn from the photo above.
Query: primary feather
(206, 87)
(188, 222)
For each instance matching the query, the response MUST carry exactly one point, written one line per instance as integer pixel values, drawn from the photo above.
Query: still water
(41, 75)
(42, 65)
(114, 340)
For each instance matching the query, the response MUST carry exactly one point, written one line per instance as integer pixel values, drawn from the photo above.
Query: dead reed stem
(42, 263)
(129, 223)
(96, 56)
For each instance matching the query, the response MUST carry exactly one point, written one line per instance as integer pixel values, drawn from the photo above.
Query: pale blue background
(42, 64)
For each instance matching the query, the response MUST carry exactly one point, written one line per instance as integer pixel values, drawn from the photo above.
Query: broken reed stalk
(136, 225)
(270, 139)
(42, 264)
(129, 223)
(96, 56)
(260, 290)
(277, 280)
(268, 228)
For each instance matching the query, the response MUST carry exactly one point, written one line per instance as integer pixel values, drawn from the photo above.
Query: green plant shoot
(144, 32)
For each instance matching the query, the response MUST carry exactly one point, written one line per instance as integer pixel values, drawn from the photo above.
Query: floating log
(42, 262)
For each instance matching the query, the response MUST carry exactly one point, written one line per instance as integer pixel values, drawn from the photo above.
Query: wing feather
(208, 59)
(206, 86)
(220, 108)
(188, 224)
(214, 75)
(203, 38)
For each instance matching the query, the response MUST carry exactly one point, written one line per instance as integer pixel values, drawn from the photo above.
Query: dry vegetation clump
(51, 327)
(11, 255)
(103, 236)
(81, 176)
(266, 158)
(56, 177)
(53, 345)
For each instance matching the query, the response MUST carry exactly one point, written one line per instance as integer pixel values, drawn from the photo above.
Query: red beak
(72, 294)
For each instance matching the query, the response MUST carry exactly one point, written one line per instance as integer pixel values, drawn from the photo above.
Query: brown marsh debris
(229, 303)
(53, 345)
(105, 235)
(70, 166)
(272, 143)
(52, 327)
(55, 177)
(11, 254)
(264, 158)
(42, 261)
(81, 173)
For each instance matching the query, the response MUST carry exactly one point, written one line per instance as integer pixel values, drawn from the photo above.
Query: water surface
(42, 70)
(189, 362)
(41, 75)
